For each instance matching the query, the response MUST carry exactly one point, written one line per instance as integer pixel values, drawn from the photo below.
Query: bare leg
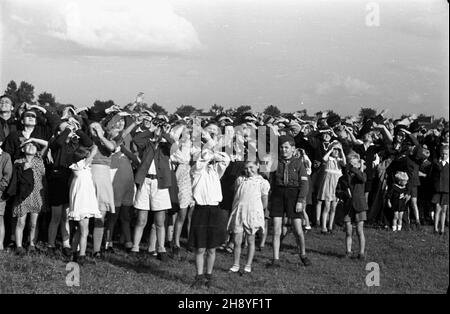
(395, 221)
(33, 228)
(415, 209)
(299, 235)
(210, 259)
(237, 249)
(318, 212)
(2, 233)
(139, 229)
(361, 237)
(437, 215)
(111, 220)
(64, 226)
(20, 225)
(84, 231)
(251, 249)
(264, 233)
(199, 260)
(348, 236)
(179, 221)
(325, 216)
(160, 217)
(332, 213)
(443, 214)
(277, 221)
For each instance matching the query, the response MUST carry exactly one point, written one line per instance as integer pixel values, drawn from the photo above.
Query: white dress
(83, 200)
(248, 212)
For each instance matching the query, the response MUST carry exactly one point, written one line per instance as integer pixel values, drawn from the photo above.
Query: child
(397, 197)
(250, 201)
(334, 161)
(5, 177)
(27, 188)
(355, 205)
(207, 233)
(288, 197)
(440, 184)
(83, 203)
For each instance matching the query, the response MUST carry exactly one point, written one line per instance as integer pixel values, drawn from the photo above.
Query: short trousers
(149, 197)
(2, 208)
(283, 201)
(440, 198)
(413, 191)
(208, 227)
(355, 217)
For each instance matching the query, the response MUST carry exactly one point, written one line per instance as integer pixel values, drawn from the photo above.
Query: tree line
(25, 93)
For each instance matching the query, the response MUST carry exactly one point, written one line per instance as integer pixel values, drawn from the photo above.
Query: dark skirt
(58, 182)
(208, 227)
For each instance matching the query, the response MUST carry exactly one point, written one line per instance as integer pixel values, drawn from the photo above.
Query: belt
(151, 176)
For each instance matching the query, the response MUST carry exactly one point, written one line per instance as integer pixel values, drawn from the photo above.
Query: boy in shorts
(288, 197)
(355, 203)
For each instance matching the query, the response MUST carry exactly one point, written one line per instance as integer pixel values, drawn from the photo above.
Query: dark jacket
(7, 127)
(356, 183)
(22, 183)
(291, 174)
(439, 176)
(151, 151)
(62, 152)
(6, 170)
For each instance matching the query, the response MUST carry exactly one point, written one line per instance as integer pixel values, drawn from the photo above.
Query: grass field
(410, 262)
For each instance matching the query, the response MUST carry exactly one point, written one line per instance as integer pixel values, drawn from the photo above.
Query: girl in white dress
(250, 201)
(83, 203)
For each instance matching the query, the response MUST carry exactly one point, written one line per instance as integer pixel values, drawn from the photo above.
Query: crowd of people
(110, 172)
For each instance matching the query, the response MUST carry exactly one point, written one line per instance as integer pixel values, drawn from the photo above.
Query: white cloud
(349, 85)
(106, 25)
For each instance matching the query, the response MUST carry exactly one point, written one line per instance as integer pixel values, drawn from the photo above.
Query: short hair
(286, 138)
(401, 176)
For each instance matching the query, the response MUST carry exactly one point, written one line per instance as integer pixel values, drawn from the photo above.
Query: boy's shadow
(149, 267)
(327, 253)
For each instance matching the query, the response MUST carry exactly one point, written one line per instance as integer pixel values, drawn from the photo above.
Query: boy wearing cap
(289, 184)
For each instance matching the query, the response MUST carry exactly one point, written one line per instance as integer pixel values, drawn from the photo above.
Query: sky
(314, 55)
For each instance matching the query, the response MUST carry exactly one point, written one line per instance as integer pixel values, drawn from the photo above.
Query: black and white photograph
(224, 152)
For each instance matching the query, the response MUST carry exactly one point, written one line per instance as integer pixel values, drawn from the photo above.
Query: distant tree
(366, 113)
(46, 98)
(25, 93)
(186, 110)
(241, 110)
(230, 112)
(216, 109)
(158, 109)
(11, 91)
(272, 110)
(331, 113)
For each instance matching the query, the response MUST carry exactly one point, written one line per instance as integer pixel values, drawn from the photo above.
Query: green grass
(410, 262)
